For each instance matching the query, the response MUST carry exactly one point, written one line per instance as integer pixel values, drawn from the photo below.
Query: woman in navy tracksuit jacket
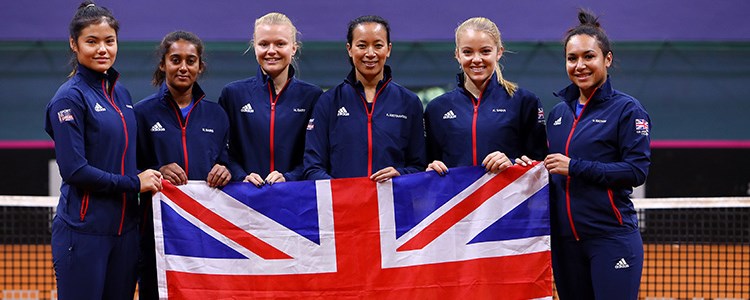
(161, 125)
(486, 119)
(268, 113)
(368, 125)
(180, 133)
(90, 118)
(600, 140)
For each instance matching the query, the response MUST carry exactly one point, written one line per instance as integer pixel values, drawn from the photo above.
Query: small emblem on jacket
(247, 108)
(99, 108)
(209, 130)
(299, 110)
(557, 122)
(129, 106)
(540, 115)
(397, 116)
(641, 126)
(498, 110)
(622, 264)
(342, 112)
(601, 121)
(65, 115)
(157, 127)
(311, 124)
(449, 115)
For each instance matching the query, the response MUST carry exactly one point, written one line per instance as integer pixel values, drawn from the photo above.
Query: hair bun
(86, 4)
(586, 17)
(589, 25)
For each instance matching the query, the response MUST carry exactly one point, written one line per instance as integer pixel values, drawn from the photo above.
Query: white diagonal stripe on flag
(453, 244)
(307, 256)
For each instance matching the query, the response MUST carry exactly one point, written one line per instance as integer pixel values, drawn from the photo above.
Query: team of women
(274, 127)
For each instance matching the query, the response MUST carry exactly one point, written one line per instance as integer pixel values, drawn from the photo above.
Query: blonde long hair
(485, 25)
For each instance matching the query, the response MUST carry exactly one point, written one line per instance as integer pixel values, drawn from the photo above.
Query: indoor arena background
(687, 61)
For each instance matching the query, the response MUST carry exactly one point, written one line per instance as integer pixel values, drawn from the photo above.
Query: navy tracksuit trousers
(91, 266)
(607, 268)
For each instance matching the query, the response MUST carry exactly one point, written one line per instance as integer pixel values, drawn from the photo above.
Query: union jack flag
(467, 235)
(641, 125)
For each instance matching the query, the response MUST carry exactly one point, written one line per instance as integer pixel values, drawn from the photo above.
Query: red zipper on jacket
(273, 101)
(84, 205)
(567, 182)
(109, 95)
(614, 207)
(475, 103)
(183, 128)
(369, 125)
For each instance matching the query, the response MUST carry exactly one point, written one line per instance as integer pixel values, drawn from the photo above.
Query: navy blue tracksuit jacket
(347, 139)
(196, 142)
(92, 122)
(268, 130)
(462, 130)
(609, 148)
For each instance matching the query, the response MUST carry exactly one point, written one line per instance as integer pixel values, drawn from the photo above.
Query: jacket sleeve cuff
(574, 167)
(407, 170)
(290, 176)
(134, 183)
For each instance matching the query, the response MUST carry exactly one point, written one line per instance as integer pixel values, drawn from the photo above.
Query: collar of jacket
(352, 78)
(94, 78)
(492, 84)
(265, 78)
(571, 93)
(166, 96)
